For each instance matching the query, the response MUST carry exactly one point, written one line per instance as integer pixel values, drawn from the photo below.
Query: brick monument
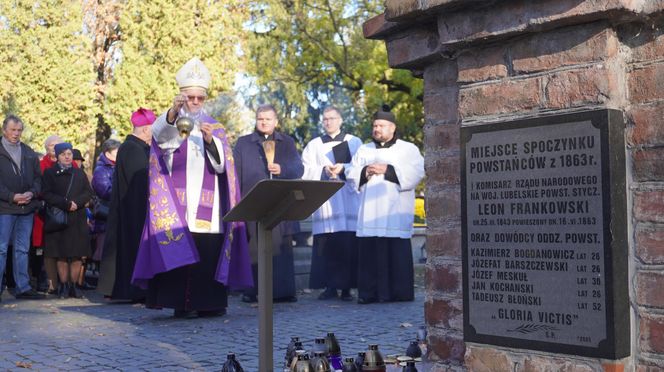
(522, 61)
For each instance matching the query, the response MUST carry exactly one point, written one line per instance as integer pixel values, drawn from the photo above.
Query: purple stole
(167, 243)
(179, 177)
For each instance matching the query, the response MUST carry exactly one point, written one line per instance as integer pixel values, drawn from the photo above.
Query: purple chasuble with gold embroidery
(167, 243)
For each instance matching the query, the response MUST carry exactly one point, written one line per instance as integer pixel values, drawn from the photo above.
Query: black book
(342, 153)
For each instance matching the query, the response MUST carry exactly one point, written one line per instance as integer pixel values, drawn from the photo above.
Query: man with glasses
(334, 255)
(20, 182)
(188, 253)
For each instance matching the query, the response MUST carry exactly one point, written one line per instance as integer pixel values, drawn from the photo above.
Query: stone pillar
(487, 61)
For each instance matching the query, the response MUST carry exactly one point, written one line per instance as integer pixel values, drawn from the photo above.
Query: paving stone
(93, 335)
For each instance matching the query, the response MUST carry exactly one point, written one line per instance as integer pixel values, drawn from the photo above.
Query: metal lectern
(268, 203)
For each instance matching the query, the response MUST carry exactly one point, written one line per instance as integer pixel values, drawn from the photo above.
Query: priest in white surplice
(334, 254)
(386, 172)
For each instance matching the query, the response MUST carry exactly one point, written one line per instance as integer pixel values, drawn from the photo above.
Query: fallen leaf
(254, 305)
(405, 325)
(101, 334)
(226, 321)
(24, 365)
(307, 291)
(10, 306)
(68, 359)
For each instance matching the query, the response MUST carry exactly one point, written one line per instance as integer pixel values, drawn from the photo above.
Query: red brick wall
(568, 68)
(521, 59)
(645, 147)
(443, 306)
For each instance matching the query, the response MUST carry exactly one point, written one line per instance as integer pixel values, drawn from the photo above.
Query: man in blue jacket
(20, 182)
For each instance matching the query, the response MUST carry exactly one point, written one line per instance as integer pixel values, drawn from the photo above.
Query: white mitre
(193, 74)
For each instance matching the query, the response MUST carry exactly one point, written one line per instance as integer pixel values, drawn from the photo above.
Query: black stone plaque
(544, 234)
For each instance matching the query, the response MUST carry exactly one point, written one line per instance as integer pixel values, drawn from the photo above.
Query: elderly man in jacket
(20, 182)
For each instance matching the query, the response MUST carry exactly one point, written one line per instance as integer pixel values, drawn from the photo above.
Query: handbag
(100, 209)
(56, 218)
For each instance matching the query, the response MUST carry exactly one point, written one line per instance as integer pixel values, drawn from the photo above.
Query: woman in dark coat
(72, 243)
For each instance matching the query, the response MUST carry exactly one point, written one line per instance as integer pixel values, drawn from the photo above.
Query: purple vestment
(167, 243)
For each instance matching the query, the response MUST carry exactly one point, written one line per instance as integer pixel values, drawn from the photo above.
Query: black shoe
(286, 299)
(327, 294)
(86, 286)
(74, 292)
(211, 313)
(346, 296)
(30, 294)
(183, 314)
(365, 301)
(42, 286)
(63, 290)
(250, 299)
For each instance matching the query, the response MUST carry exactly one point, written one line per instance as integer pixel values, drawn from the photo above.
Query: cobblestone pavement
(91, 334)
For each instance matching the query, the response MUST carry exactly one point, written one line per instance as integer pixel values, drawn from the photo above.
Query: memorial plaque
(544, 234)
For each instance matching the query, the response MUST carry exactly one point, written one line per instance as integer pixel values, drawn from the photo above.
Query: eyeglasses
(331, 119)
(196, 98)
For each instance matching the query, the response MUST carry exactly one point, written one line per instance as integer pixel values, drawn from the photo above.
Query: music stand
(268, 203)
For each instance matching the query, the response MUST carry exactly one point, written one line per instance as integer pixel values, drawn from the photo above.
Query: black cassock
(129, 197)
(251, 167)
(386, 269)
(191, 287)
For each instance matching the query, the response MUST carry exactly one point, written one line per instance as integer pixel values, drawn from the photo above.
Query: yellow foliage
(69, 66)
(158, 37)
(420, 215)
(46, 74)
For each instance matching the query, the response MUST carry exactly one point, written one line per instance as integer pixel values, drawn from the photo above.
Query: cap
(384, 113)
(60, 147)
(193, 74)
(77, 154)
(142, 117)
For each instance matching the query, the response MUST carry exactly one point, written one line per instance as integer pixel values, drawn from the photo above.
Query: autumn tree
(46, 74)
(157, 38)
(102, 23)
(306, 54)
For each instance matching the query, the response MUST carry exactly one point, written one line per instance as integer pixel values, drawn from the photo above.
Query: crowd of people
(151, 217)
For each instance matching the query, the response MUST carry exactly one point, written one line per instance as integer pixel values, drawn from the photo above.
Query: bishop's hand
(206, 129)
(178, 102)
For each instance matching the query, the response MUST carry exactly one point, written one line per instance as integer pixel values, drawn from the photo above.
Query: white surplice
(169, 140)
(339, 213)
(387, 208)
